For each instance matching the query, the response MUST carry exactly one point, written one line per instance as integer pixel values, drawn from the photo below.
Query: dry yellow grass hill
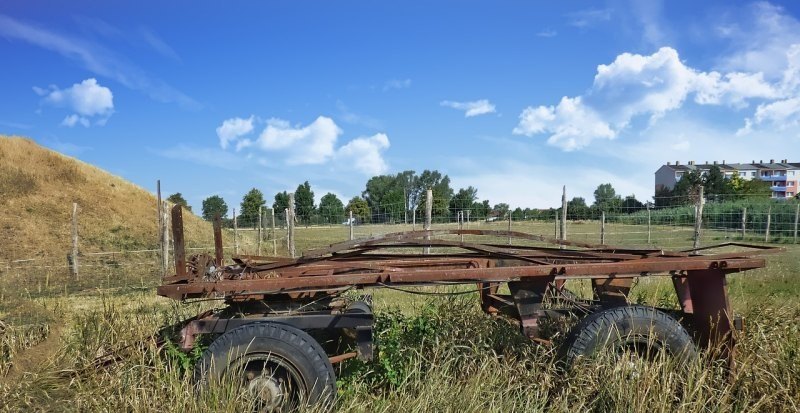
(37, 189)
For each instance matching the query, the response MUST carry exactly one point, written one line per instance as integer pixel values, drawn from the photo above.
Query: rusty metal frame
(530, 272)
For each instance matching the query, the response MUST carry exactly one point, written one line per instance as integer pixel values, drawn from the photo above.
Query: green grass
(438, 354)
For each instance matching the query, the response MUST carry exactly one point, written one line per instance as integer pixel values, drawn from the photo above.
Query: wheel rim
(270, 382)
(634, 352)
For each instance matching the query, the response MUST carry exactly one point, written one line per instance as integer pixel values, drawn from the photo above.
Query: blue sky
(516, 98)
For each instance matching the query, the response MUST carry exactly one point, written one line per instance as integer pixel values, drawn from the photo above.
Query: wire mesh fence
(673, 223)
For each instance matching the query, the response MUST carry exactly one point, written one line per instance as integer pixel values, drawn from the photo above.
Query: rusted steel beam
(682, 291)
(612, 292)
(177, 235)
(631, 268)
(528, 296)
(712, 314)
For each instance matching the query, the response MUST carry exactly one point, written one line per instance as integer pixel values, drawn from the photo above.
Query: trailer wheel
(278, 367)
(634, 330)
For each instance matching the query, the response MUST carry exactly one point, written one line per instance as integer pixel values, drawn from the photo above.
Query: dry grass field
(38, 187)
(434, 354)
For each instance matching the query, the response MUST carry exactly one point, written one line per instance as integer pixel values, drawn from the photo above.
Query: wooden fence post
(286, 218)
(428, 213)
(235, 233)
(461, 223)
(649, 225)
(603, 228)
(291, 225)
(564, 215)
(509, 227)
(744, 221)
(160, 213)
(260, 223)
(698, 220)
(555, 231)
(165, 237)
(414, 218)
(74, 267)
(796, 221)
(769, 219)
(272, 232)
(350, 222)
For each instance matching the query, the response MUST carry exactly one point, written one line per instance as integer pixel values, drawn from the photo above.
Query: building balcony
(778, 188)
(773, 177)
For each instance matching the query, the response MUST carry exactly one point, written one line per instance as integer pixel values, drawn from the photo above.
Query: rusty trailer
(278, 307)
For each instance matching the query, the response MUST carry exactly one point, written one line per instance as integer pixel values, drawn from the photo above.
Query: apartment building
(783, 176)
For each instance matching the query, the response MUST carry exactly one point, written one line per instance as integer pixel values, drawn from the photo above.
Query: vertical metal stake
(428, 212)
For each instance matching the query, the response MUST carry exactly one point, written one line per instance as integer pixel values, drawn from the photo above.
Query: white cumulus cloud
(87, 99)
(636, 85)
(570, 124)
(312, 144)
(365, 154)
(232, 129)
(474, 108)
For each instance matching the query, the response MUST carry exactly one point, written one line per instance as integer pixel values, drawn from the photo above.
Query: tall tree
(714, 182)
(440, 187)
(385, 197)
(331, 208)
(304, 203)
(686, 187)
(577, 208)
(360, 209)
(631, 204)
(518, 214)
(464, 199)
(281, 202)
(606, 199)
(213, 206)
(177, 199)
(251, 202)
(500, 210)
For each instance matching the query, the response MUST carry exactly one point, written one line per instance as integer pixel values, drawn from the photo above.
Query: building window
(791, 173)
(752, 173)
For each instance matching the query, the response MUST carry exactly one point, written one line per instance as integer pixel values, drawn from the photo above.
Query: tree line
(397, 198)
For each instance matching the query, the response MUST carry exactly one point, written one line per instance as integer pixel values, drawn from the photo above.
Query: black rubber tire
(613, 329)
(276, 340)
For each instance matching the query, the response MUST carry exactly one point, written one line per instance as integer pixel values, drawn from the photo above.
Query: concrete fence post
(769, 220)
(350, 223)
(698, 220)
(603, 228)
(744, 221)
